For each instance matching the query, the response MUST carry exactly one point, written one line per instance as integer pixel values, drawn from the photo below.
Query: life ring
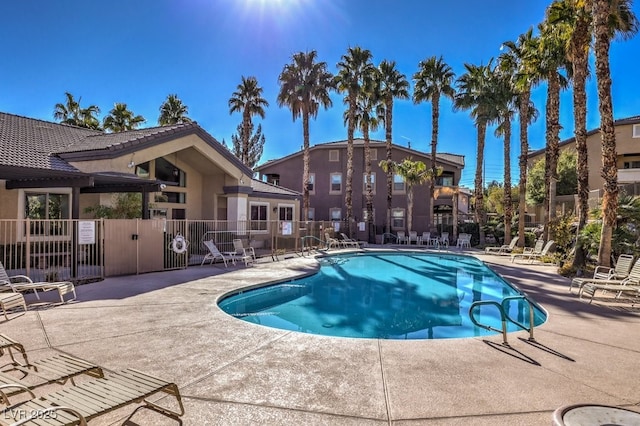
(179, 244)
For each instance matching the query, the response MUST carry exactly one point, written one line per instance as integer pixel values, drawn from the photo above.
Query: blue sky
(139, 51)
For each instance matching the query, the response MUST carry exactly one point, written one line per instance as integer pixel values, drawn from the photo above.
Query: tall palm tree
(173, 111)
(609, 18)
(120, 119)
(414, 173)
(433, 80)
(517, 61)
(551, 60)
(248, 101)
(476, 92)
(352, 69)
(304, 87)
(73, 114)
(574, 18)
(366, 119)
(393, 84)
(506, 101)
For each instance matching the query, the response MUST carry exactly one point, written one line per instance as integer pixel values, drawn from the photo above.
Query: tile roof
(259, 186)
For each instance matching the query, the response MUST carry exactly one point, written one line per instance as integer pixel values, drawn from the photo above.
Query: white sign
(361, 226)
(86, 232)
(287, 228)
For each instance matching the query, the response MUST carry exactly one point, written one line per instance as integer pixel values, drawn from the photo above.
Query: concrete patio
(232, 372)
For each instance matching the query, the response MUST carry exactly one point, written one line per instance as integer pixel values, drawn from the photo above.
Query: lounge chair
(504, 249)
(619, 272)
(628, 285)
(633, 274)
(213, 254)
(9, 345)
(331, 242)
(12, 300)
(545, 251)
(464, 240)
(425, 239)
(240, 248)
(444, 239)
(81, 403)
(20, 283)
(349, 242)
(402, 238)
(413, 236)
(537, 248)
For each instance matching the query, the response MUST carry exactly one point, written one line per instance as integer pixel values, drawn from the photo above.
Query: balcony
(628, 175)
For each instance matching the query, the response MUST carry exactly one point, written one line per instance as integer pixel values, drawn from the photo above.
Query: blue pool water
(387, 295)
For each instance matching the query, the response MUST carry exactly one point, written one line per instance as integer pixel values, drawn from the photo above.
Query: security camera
(163, 186)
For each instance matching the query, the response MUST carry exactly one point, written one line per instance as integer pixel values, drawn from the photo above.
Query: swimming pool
(387, 295)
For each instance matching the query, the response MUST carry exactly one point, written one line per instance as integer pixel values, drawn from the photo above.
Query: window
(47, 206)
(311, 215)
(142, 170)
(334, 155)
(312, 183)
(632, 164)
(398, 183)
(397, 218)
(168, 172)
(285, 212)
(373, 154)
(335, 183)
(373, 182)
(444, 180)
(335, 214)
(636, 131)
(171, 197)
(259, 217)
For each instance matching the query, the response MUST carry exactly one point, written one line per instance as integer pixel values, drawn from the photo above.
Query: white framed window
(397, 219)
(398, 184)
(373, 154)
(312, 183)
(631, 164)
(373, 182)
(311, 215)
(365, 217)
(335, 214)
(285, 212)
(636, 131)
(334, 155)
(259, 217)
(335, 183)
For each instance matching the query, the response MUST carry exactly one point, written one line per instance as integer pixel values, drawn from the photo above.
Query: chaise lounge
(22, 283)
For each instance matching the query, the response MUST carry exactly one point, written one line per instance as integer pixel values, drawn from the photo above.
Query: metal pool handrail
(303, 243)
(504, 316)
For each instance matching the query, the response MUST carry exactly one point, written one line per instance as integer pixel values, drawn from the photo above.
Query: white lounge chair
(464, 240)
(628, 285)
(247, 255)
(349, 242)
(633, 274)
(413, 236)
(537, 248)
(544, 252)
(425, 239)
(401, 238)
(22, 283)
(620, 270)
(504, 249)
(213, 254)
(331, 242)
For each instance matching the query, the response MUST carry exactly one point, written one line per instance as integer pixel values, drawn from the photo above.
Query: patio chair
(413, 236)
(331, 242)
(349, 242)
(425, 239)
(81, 403)
(620, 270)
(628, 285)
(10, 301)
(401, 238)
(537, 248)
(504, 249)
(633, 274)
(20, 283)
(239, 247)
(213, 254)
(464, 240)
(544, 252)
(444, 239)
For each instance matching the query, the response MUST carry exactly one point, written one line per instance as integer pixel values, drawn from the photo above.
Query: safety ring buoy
(179, 244)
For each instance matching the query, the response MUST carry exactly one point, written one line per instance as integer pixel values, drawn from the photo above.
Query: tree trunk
(508, 206)
(524, 153)
(435, 114)
(479, 187)
(305, 166)
(349, 181)
(609, 156)
(371, 235)
(580, 54)
(553, 142)
(388, 124)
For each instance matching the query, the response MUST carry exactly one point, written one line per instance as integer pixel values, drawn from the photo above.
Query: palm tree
(247, 100)
(304, 87)
(609, 18)
(551, 59)
(173, 111)
(433, 80)
(366, 120)
(574, 17)
(71, 113)
(506, 101)
(517, 62)
(476, 92)
(352, 69)
(393, 84)
(120, 119)
(414, 173)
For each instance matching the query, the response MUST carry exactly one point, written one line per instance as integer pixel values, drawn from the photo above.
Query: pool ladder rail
(504, 316)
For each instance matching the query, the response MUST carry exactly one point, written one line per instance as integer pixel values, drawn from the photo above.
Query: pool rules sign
(86, 232)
